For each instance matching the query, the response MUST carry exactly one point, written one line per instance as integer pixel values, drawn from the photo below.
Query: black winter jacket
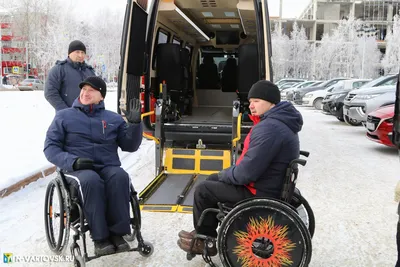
(62, 85)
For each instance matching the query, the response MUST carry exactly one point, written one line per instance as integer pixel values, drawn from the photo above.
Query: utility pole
(27, 61)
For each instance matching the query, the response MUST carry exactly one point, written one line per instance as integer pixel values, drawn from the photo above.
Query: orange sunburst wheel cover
(268, 229)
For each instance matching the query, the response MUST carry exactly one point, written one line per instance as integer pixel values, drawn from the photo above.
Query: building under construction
(322, 16)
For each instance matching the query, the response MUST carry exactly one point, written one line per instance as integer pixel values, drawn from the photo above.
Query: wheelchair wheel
(305, 212)
(56, 217)
(136, 218)
(264, 232)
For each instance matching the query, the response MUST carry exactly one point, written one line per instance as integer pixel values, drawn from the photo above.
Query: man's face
(259, 106)
(77, 56)
(89, 95)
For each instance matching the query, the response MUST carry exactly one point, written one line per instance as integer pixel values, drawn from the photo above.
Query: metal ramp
(184, 169)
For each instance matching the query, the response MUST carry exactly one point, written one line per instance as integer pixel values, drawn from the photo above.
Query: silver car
(355, 104)
(30, 85)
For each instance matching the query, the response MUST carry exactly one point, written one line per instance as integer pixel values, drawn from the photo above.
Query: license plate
(371, 126)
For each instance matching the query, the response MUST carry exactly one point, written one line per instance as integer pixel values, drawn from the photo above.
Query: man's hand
(83, 164)
(134, 114)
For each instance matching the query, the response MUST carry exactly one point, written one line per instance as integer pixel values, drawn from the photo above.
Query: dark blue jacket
(273, 144)
(62, 85)
(89, 131)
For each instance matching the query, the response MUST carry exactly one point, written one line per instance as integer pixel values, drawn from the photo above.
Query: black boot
(120, 244)
(103, 247)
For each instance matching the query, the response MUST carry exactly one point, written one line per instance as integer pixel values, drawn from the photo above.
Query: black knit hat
(76, 45)
(265, 90)
(97, 83)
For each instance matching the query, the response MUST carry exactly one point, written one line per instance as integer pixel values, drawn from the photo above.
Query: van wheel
(318, 103)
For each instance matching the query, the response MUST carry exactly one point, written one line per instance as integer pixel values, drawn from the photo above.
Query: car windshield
(374, 82)
(316, 84)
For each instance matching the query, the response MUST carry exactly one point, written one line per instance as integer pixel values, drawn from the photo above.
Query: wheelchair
(70, 216)
(264, 231)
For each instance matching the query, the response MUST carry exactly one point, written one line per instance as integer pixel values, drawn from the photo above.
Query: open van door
(132, 52)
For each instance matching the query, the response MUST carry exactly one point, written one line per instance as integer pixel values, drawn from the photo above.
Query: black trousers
(207, 195)
(104, 195)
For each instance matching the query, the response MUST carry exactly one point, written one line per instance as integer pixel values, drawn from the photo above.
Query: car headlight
(337, 96)
(365, 97)
(308, 96)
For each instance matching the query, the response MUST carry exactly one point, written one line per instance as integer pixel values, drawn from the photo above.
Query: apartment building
(13, 53)
(322, 16)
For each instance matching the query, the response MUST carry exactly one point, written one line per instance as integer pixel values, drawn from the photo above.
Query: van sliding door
(132, 52)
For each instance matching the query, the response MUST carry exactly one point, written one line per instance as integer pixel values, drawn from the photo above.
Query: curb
(21, 184)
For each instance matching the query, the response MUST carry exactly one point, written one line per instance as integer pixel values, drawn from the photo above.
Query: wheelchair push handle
(302, 162)
(304, 153)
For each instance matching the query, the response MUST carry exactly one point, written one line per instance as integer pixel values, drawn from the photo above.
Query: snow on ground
(25, 117)
(348, 181)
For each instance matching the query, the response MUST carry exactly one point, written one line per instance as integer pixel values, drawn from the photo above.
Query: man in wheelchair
(83, 141)
(270, 146)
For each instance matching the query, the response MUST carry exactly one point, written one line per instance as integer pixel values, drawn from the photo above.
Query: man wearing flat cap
(83, 141)
(270, 146)
(62, 85)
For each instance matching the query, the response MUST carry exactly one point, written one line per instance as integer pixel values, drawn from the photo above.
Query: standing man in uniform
(62, 85)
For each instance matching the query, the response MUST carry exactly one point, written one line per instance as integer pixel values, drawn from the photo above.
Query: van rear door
(132, 52)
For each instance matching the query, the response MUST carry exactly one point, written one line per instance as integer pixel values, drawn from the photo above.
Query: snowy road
(349, 182)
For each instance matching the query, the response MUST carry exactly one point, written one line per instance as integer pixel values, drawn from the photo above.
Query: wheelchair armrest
(304, 153)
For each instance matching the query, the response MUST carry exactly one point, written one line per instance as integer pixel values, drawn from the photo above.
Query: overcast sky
(291, 8)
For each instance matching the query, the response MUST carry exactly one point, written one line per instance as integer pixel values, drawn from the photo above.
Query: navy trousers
(104, 195)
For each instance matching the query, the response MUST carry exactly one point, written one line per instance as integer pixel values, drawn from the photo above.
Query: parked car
(314, 98)
(283, 81)
(333, 101)
(288, 85)
(382, 81)
(30, 85)
(305, 84)
(298, 94)
(379, 125)
(354, 109)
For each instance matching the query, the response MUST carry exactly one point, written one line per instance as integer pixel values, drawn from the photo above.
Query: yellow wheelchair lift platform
(181, 170)
(172, 190)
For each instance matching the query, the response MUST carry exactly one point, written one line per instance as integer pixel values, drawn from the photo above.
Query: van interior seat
(208, 74)
(229, 76)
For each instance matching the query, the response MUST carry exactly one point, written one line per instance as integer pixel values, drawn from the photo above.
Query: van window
(162, 38)
(176, 41)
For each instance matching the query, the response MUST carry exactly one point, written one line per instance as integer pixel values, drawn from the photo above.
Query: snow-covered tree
(280, 55)
(391, 60)
(348, 52)
(106, 50)
(300, 53)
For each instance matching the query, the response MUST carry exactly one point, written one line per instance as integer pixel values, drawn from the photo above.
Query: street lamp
(364, 32)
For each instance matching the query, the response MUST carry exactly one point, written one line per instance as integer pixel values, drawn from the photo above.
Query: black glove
(134, 115)
(83, 164)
